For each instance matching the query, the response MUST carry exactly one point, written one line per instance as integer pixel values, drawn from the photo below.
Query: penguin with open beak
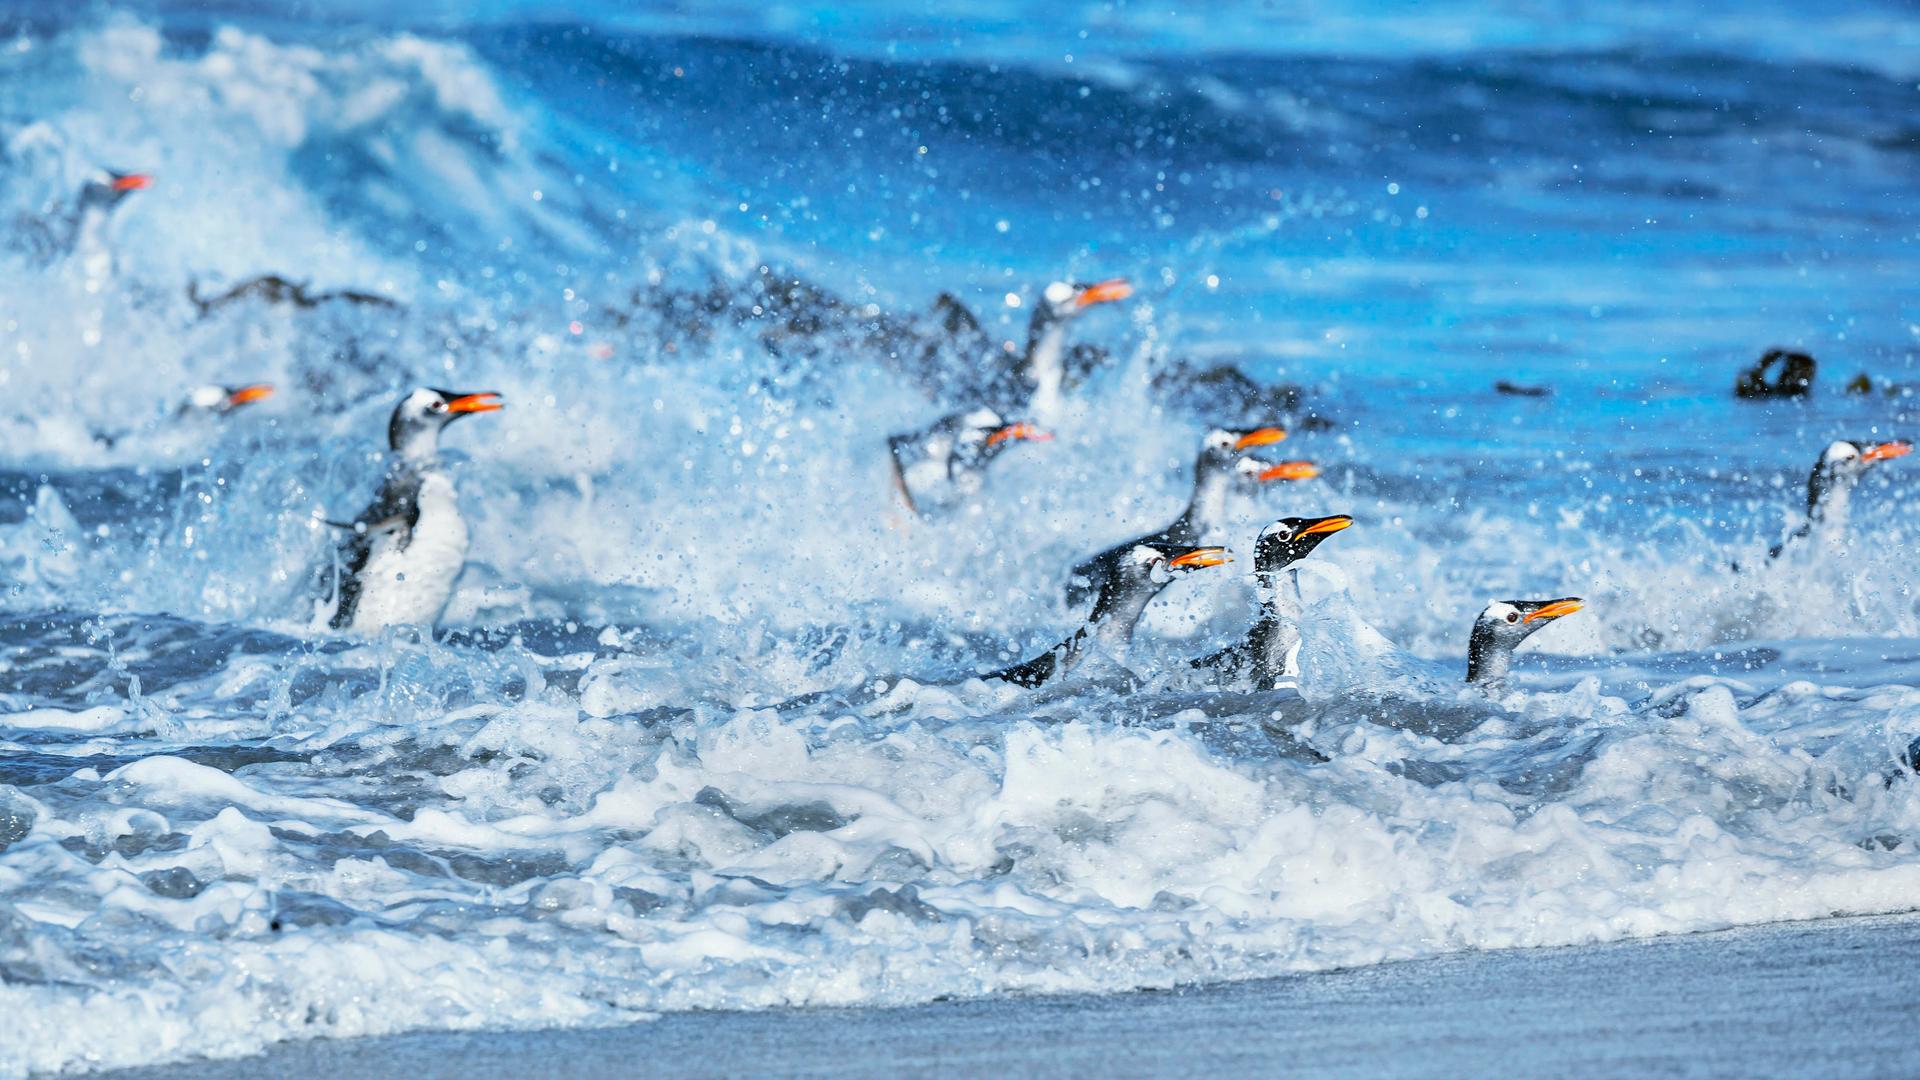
(405, 551)
(1502, 627)
(1269, 657)
(1138, 574)
(940, 467)
(1219, 469)
(1830, 488)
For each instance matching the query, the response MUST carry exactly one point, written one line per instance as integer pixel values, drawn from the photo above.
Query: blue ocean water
(696, 731)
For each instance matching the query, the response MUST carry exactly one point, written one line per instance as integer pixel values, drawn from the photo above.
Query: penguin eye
(437, 406)
(1513, 616)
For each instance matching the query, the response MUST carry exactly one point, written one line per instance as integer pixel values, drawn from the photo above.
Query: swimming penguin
(938, 467)
(1269, 657)
(1830, 487)
(214, 400)
(273, 289)
(1218, 469)
(81, 228)
(407, 548)
(1502, 627)
(1033, 385)
(1137, 575)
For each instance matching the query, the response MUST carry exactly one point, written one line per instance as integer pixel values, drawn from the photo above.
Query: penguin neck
(1829, 501)
(1045, 370)
(90, 220)
(1207, 510)
(417, 451)
(1276, 637)
(87, 223)
(1117, 610)
(1488, 657)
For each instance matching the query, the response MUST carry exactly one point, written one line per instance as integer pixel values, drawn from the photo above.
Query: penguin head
(983, 435)
(1502, 627)
(1510, 622)
(1253, 472)
(1852, 456)
(1291, 539)
(417, 420)
(1223, 444)
(1160, 564)
(1844, 462)
(220, 400)
(1065, 300)
(107, 187)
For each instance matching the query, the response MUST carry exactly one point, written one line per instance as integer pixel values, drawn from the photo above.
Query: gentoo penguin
(1830, 487)
(399, 566)
(1502, 627)
(1218, 469)
(214, 400)
(1269, 657)
(1033, 387)
(940, 466)
(82, 230)
(1140, 572)
(202, 405)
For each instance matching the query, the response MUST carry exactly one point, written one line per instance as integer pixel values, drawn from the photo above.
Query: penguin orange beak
(1288, 470)
(1115, 289)
(1887, 450)
(487, 401)
(1555, 609)
(1265, 436)
(1199, 557)
(1330, 525)
(132, 182)
(1021, 431)
(247, 395)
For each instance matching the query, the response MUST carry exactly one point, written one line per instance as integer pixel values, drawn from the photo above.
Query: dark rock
(1794, 377)
(1517, 390)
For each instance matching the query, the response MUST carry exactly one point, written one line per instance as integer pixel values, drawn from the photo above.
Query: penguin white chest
(409, 578)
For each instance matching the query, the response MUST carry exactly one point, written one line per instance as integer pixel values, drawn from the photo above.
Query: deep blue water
(643, 767)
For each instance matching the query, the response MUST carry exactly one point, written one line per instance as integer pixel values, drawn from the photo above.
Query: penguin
(1269, 657)
(1830, 487)
(938, 467)
(203, 404)
(81, 229)
(1033, 385)
(1218, 469)
(1138, 575)
(274, 289)
(215, 400)
(408, 547)
(1502, 627)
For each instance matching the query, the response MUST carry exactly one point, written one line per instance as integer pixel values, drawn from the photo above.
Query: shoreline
(1824, 996)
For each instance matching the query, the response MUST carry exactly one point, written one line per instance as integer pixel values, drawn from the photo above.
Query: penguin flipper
(1031, 674)
(394, 511)
(1228, 662)
(1083, 581)
(362, 527)
(955, 317)
(1044, 668)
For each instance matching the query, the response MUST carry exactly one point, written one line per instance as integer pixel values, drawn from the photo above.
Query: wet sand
(1831, 998)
